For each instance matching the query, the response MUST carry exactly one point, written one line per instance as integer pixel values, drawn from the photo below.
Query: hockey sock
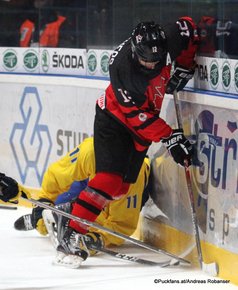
(101, 189)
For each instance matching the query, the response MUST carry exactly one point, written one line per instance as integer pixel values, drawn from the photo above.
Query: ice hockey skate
(69, 251)
(56, 225)
(24, 223)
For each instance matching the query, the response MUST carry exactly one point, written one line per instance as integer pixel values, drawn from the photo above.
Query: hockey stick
(116, 234)
(136, 259)
(211, 268)
(50, 222)
(7, 207)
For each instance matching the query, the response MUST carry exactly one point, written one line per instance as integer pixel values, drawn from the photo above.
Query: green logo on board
(226, 75)
(9, 59)
(92, 62)
(104, 63)
(30, 60)
(214, 74)
(45, 60)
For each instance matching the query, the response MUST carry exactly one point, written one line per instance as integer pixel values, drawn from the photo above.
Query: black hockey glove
(179, 79)
(92, 242)
(37, 219)
(179, 147)
(8, 188)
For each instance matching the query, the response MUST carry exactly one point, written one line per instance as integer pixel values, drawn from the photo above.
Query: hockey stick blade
(8, 207)
(126, 257)
(97, 226)
(211, 268)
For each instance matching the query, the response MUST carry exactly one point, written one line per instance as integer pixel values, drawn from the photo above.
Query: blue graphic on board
(217, 149)
(30, 140)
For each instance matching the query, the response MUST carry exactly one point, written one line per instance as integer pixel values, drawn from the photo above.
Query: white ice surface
(26, 263)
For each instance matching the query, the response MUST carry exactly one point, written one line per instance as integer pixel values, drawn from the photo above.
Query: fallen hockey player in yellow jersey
(77, 166)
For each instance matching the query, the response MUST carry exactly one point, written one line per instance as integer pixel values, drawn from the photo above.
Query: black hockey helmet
(148, 42)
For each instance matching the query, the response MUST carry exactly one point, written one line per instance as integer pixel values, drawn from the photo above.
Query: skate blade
(68, 261)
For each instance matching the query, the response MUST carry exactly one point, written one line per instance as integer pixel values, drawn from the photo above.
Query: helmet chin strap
(146, 71)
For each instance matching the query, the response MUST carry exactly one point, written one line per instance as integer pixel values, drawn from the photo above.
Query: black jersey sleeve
(183, 42)
(174, 40)
(181, 36)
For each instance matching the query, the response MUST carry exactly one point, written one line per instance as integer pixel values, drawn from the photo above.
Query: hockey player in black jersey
(128, 118)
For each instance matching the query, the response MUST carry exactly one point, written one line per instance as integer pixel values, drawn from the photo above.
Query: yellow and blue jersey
(79, 165)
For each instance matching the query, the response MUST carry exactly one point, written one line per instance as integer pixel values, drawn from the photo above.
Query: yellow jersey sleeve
(77, 165)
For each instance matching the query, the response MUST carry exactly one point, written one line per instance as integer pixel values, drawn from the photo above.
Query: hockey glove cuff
(37, 218)
(179, 147)
(179, 79)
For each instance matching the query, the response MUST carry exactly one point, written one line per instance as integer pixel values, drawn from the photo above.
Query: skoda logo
(30, 60)
(226, 75)
(214, 74)
(92, 62)
(236, 77)
(45, 60)
(10, 59)
(104, 63)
